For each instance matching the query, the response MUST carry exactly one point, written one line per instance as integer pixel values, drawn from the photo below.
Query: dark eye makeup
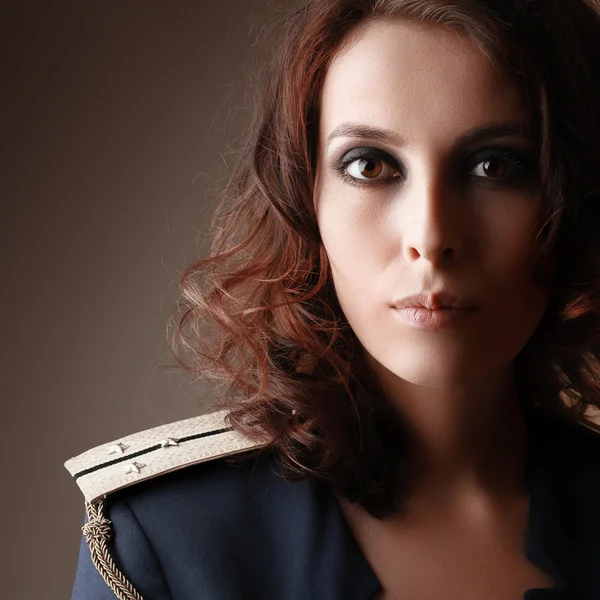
(518, 167)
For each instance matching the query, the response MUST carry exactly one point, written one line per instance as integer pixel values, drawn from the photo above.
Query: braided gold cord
(97, 532)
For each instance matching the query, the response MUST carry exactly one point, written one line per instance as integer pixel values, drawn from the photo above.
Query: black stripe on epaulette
(115, 461)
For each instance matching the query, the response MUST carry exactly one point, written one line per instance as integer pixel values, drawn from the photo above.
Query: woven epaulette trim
(134, 458)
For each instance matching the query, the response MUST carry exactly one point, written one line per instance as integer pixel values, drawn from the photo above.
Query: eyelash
(526, 166)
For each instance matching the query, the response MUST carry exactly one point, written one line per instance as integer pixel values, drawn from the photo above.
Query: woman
(408, 264)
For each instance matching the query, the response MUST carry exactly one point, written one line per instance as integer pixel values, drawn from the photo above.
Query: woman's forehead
(416, 80)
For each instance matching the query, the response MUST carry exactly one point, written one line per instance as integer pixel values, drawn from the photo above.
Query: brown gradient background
(114, 118)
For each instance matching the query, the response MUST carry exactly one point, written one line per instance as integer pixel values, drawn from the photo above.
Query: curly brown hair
(260, 312)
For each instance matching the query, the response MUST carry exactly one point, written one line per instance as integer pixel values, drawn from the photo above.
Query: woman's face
(443, 197)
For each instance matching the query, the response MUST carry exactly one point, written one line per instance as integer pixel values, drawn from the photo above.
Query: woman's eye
(371, 168)
(495, 168)
(501, 167)
(364, 166)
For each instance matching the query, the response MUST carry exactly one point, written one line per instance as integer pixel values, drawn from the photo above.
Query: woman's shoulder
(167, 507)
(155, 495)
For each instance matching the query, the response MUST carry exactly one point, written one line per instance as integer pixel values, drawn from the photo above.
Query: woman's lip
(456, 306)
(427, 319)
(401, 307)
(433, 301)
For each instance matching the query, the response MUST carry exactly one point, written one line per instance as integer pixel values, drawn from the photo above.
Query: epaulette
(134, 458)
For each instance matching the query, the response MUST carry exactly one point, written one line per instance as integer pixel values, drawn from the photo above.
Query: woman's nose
(429, 221)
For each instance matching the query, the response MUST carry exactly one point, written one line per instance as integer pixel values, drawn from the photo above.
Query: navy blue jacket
(217, 531)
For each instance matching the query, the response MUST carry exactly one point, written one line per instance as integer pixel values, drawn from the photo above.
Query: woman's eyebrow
(480, 133)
